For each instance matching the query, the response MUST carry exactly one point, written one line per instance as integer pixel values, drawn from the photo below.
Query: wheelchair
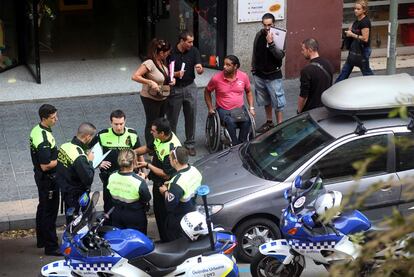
(217, 136)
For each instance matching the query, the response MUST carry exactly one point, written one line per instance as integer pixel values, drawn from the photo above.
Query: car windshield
(277, 153)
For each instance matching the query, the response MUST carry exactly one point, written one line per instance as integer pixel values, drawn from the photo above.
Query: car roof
(338, 125)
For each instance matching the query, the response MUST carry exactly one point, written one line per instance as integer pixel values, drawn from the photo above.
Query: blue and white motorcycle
(91, 249)
(308, 239)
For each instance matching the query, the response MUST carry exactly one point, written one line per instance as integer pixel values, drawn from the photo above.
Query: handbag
(239, 114)
(355, 55)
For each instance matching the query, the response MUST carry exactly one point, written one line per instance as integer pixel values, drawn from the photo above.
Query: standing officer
(180, 194)
(184, 93)
(160, 168)
(129, 193)
(116, 138)
(74, 170)
(44, 157)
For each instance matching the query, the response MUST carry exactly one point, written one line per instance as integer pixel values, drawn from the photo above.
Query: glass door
(30, 38)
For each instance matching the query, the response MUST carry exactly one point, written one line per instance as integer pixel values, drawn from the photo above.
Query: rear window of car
(404, 143)
(277, 153)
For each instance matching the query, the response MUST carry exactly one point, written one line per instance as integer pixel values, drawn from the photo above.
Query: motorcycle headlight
(212, 209)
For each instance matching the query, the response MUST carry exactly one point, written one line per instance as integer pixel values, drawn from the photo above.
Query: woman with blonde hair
(130, 194)
(154, 76)
(359, 36)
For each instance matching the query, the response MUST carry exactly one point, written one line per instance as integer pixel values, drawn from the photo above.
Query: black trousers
(71, 199)
(47, 211)
(185, 97)
(124, 217)
(107, 198)
(172, 225)
(160, 211)
(153, 110)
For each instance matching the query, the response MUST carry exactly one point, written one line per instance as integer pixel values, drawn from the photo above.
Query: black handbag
(239, 114)
(355, 55)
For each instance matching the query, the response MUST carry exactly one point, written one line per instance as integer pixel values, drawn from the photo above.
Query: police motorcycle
(91, 249)
(308, 239)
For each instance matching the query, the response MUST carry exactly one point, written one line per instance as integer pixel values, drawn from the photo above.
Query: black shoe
(265, 127)
(192, 151)
(55, 252)
(40, 245)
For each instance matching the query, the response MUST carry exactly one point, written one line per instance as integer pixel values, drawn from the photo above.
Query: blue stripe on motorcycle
(55, 264)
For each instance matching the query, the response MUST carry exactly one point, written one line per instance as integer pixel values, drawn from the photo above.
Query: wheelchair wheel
(212, 132)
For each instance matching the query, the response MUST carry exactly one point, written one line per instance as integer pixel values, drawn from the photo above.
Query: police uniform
(109, 140)
(180, 198)
(130, 196)
(161, 160)
(43, 150)
(74, 173)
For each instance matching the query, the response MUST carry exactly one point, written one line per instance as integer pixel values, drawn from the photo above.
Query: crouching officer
(180, 194)
(44, 157)
(114, 139)
(160, 168)
(129, 193)
(74, 170)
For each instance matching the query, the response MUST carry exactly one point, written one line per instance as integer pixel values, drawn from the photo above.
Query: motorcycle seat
(173, 253)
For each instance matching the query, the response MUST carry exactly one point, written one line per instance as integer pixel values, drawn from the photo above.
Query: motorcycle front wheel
(266, 266)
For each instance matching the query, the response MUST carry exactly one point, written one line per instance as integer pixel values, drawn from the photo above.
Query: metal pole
(392, 38)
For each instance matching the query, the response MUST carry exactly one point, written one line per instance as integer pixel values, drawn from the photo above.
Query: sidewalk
(82, 99)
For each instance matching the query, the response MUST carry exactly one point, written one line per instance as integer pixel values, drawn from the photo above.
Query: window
(404, 144)
(337, 165)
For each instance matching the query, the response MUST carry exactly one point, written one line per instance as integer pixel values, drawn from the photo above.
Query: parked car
(247, 181)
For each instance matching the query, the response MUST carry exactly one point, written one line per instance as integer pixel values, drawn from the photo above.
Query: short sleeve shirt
(155, 75)
(358, 25)
(229, 93)
(190, 58)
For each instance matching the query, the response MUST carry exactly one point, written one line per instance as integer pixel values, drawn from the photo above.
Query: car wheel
(253, 233)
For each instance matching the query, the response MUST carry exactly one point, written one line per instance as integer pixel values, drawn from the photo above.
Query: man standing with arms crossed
(184, 93)
(267, 73)
(43, 151)
(114, 139)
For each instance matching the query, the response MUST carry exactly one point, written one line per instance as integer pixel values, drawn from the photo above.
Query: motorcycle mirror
(287, 194)
(298, 182)
(203, 190)
(95, 198)
(70, 211)
(84, 200)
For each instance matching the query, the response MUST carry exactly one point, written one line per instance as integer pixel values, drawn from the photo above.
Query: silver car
(247, 181)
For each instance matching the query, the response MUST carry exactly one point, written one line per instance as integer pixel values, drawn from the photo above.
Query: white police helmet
(327, 201)
(194, 224)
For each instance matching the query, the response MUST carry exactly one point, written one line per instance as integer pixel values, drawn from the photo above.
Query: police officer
(129, 193)
(44, 157)
(74, 170)
(180, 193)
(160, 168)
(114, 139)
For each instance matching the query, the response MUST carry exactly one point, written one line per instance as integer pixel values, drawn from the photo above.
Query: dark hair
(184, 34)
(269, 16)
(180, 154)
(117, 114)
(46, 110)
(234, 60)
(163, 125)
(311, 43)
(156, 46)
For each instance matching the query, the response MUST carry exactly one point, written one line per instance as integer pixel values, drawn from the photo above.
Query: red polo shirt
(229, 93)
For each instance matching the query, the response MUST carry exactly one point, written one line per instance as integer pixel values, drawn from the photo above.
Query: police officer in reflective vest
(44, 157)
(74, 170)
(114, 139)
(180, 194)
(160, 168)
(129, 193)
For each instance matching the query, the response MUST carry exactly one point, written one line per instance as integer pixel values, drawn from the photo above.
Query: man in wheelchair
(229, 87)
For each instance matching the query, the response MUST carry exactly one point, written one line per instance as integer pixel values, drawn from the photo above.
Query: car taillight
(230, 249)
(293, 231)
(67, 251)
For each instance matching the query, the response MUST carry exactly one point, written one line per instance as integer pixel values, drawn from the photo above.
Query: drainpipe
(392, 38)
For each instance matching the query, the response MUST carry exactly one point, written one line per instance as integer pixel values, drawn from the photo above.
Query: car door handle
(387, 188)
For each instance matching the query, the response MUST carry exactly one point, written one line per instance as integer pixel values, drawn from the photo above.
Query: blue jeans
(365, 69)
(232, 126)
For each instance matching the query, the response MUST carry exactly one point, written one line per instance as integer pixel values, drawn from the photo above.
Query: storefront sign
(253, 10)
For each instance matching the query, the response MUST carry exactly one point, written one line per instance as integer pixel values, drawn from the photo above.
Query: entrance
(205, 18)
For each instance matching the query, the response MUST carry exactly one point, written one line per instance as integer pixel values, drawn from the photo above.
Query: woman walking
(154, 77)
(359, 35)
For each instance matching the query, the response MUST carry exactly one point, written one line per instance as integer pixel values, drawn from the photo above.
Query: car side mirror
(287, 194)
(298, 182)
(84, 200)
